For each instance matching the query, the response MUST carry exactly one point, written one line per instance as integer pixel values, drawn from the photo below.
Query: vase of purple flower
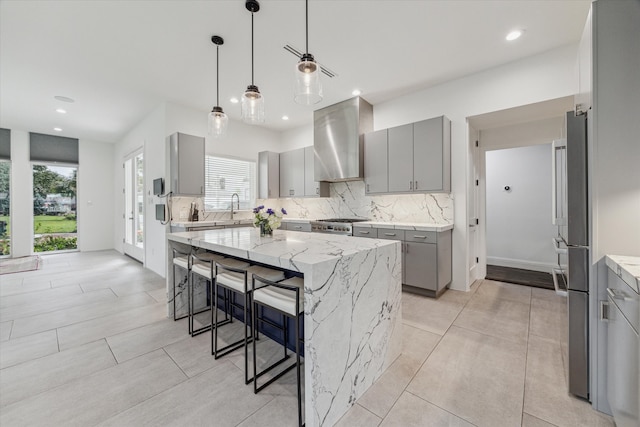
(268, 220)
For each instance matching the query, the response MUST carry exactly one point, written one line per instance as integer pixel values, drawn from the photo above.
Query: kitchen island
(352, 296)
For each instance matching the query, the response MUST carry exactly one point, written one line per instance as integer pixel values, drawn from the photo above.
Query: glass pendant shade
(218, 122)
(308, 90)
(252, 106)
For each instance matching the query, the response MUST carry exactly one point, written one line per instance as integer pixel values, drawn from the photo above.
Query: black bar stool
(181, 258)
(236, 280)
(287, 298)
(202, 264)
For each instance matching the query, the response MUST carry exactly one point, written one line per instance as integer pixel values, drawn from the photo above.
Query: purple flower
(270, 211)
(256, 210)
(283, 211)
(260, 207)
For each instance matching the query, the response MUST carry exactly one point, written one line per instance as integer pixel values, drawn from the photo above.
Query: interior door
(133, 215)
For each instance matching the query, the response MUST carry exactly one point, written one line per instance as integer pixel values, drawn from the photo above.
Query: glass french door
(133, 215)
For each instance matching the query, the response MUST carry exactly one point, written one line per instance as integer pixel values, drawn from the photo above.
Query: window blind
(5, 144)
(223, 177)
(50, 148)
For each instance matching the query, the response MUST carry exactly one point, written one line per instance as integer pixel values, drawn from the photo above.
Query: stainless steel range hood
(338, 134)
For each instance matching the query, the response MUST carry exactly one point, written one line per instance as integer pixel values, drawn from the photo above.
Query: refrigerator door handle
(604, 311)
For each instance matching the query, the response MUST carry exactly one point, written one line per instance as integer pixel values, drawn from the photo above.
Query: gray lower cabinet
(297, 226)
(426, 257)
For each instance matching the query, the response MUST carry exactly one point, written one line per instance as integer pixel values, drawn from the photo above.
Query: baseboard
(518, 263)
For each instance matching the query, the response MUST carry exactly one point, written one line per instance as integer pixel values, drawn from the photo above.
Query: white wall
(297, 138)
(538, 78)
(519, 229)
(242, 141)
(95, 196)
(21, 195)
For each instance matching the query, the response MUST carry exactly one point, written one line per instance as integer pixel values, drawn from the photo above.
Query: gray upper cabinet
(268, 175)
(401, 158)
(411, 158)
(313, 188)
(292, 177)
(186, 164)
(432, 155)
(376, 172)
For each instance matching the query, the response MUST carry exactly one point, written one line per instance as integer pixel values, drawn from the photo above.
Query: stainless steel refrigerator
(576, 237)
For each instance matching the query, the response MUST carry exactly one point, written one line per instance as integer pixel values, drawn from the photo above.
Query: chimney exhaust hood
(338, 135)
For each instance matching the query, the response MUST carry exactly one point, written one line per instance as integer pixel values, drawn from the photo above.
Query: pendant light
(308, 89)
(218, 120)
(252, 106)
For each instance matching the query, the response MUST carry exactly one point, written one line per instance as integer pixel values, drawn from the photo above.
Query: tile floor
(85, 341)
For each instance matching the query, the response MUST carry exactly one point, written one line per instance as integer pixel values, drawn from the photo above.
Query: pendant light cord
(251, 48)
(217, 76)
(306, 7)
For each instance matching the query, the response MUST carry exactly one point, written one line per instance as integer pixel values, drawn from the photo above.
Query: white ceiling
(121, 59)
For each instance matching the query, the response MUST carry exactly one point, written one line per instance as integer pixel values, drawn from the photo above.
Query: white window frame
(213, 181)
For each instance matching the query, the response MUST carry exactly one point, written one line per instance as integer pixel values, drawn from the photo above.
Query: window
(224, 177)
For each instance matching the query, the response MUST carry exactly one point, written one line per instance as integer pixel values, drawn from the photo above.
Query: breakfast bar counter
(352, 310)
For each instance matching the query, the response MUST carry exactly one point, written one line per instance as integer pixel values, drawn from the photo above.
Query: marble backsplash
(347, 200)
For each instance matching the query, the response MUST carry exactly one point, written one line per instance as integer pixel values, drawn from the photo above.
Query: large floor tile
(531, 421)
(18, 287)
(216, 397)
(418, 343)
(478, 377)
(501, 318)
(429, 314)
(546, 395)
(45, 295)
(27, 348)
(508, 291)
(77, 314)
(5, 330)
(33, 377)
(193, 356)
(159, 294)
(357, 416)
(55, 303)
(102, 327)
(549, 315)
(97, 397)
(281, 412)
(382, 395)
(135, 342)
(411, 411)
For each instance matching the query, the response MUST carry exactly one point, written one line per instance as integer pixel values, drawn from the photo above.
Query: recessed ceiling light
(61, 111)
(513, 35)
(63, 98)
(285, 117)
(234, 100)
(356, 92)
(58, 129)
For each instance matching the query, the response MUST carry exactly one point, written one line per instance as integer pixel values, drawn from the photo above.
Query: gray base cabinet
(426, 257)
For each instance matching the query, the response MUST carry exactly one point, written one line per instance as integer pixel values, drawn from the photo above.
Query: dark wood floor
(519, 276)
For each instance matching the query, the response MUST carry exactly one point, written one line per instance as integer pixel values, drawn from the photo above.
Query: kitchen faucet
(237, 197)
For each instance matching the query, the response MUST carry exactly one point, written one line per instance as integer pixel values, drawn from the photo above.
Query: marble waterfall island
(352, 306)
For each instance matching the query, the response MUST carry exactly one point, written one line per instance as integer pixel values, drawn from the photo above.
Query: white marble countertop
(627, 267)
(286, 249)
(415, 226)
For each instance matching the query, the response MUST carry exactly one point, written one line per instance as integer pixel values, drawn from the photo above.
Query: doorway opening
(515, 231)
(133, 167)
(55, 225)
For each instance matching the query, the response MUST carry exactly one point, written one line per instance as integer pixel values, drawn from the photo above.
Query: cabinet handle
(363, 232)
(410, 185)
(419, 237)
(604, 311)
(389, 234)
(415, 187)
(317, 190)
(368, 188)
(291, 192)
(298, 227)
(406, 248)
